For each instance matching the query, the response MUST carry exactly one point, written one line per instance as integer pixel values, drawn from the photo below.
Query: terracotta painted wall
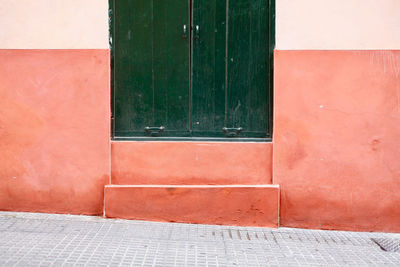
(54, 130)
(227, 205)
(337, 112)
(188, 163)
(336, 124)
(54, 121)
(336, 139)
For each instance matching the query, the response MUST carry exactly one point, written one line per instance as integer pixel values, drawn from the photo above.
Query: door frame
(270, 45)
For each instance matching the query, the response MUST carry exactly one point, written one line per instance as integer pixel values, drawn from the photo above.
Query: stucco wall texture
(54, 130)
(336, 123)
(232, 205)
(336, 114)
(55, 98)
(54, 24)
(336, 147)
(191, 163)
(337, 24)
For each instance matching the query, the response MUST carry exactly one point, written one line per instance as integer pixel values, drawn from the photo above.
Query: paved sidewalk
(28, 239)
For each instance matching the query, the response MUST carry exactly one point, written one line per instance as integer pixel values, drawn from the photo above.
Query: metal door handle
(232, 132)
(184, 31)
(197, 32)
(154, 131)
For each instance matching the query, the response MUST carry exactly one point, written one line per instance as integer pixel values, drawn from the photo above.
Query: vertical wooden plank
(239, 45)
(208, 82)
(271, 46)
(111, 21)
(133, 66)
(247, 98)
(258, 98)
(171, 66)
(152, 67)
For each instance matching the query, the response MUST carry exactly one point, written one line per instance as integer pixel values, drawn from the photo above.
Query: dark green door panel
(208, 70)
(151, 61)
(248, 67)
(230, 68)
(133, 65)
(192, 68)
(171, 66)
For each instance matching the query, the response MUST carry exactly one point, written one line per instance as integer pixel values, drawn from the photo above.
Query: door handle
(184, 31)
(196, 32)
(232, 132)
(154, 131)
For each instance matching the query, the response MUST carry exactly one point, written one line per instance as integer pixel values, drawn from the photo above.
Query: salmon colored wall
(191, 163)
(336, 139)
(53, 24)
(229, 205)
(333, 24)
(54, 130)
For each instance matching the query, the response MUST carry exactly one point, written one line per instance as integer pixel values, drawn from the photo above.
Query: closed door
(197, 68)
(151, 68)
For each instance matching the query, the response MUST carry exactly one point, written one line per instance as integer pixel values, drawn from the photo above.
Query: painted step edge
(240, 205)
(193, 186)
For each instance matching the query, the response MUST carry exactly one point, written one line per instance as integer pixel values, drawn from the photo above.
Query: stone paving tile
(31, 239)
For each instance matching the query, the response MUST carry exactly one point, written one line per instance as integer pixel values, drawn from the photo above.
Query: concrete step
(241, 205)
(191, 163)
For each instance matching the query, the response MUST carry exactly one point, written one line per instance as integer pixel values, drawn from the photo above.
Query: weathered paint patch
(54, 127)
(191, 163)
(243, 206)
(336, 139)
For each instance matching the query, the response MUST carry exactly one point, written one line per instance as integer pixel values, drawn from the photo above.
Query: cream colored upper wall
(53, 24)
(337, 24)
(300, 24)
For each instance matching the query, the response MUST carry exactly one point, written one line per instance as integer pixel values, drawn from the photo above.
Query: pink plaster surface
(191, 163)
(336, 139)
(54, 130)
(243, 206)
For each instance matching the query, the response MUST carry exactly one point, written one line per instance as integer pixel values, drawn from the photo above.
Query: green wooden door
(197, 68)
(248, 67)
(209, 67)
(231, 68)
(151, 68)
